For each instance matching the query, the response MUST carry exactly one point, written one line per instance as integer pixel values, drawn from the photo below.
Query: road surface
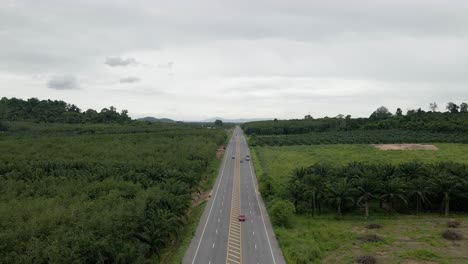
(220, 236)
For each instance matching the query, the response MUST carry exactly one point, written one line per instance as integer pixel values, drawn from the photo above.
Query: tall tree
(338, 192)
(419, 189)
(296, 186)
(399, 112)
(366, 187)
(433, 106)
(464, 108)
(446, 185)
(218, 123)
(314, 190)
(392, 191)
(381, 113)
(452, 107)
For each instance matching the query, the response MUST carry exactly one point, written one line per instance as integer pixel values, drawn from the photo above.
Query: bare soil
(405, 147)
(220, 152)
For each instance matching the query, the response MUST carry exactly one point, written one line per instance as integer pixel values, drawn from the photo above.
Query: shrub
(3, 126)
(281, 212)
(453, 223)
(366, 260)
(371, 238)
(452, 235)
(373, 226)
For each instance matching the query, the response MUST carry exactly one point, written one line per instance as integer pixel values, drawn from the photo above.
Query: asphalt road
(220, 236)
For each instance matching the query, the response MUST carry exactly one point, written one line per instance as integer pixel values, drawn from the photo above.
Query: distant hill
(240, 120)
(154, 119)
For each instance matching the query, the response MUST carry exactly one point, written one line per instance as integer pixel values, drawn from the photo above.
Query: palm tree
(447, 185)
(419, 188)
(314, 189)
(338, 192)
(393, 190)
(366, 187)
(296, 185)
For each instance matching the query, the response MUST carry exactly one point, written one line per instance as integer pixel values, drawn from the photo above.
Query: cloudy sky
(191, 60)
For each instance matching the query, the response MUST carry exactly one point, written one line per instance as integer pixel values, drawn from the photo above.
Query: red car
(241, 218)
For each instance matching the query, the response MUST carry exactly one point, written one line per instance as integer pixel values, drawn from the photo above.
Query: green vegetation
(335, 188)
(452, 121)
(36, 110)
(100, 193)
(281, 212)
(359, 137)
(407, 187)
(279, 162)
(406, 238)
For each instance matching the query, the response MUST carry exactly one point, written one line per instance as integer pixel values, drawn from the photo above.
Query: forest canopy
(54, 111)
(454, 120)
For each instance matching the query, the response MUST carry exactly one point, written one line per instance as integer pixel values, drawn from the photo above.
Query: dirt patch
(220, 152)
(200, 197)
(405, 147)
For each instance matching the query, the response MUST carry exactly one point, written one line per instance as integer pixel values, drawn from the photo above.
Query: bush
(3, 126)
(453, 223)
(366, 260)
(452, 235)
(281, 212)
(373, 226)
(371, 238)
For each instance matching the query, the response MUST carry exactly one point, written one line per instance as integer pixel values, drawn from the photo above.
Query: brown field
(405, 147)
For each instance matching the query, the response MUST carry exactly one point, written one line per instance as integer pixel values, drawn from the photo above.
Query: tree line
(454, 120)
(55, 111)
(410, 187)
(390, 136)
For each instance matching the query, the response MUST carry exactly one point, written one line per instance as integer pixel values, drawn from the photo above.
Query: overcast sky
(191, 60)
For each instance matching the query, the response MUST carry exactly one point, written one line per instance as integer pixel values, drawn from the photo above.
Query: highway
(220, 236)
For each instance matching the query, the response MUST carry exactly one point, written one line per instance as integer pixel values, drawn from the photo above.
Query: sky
(192, 60)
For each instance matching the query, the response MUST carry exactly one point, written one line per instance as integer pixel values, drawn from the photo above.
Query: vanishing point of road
(220, 237)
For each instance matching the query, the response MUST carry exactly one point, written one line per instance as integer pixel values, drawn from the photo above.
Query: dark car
(241, 218)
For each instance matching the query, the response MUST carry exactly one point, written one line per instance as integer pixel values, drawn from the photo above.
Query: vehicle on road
(241, 218)
(233, 157)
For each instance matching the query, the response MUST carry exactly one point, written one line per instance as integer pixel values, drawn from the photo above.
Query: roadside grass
(406, 238)
(279, 162)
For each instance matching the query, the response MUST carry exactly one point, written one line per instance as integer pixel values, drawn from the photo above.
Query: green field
(279, 162)
(406, 238)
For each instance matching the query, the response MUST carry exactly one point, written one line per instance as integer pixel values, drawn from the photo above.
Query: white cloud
(129, 80)
(266, 58)
(63, 82)
(118, 61)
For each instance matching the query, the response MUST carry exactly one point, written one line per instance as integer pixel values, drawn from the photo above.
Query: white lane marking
(218, 219)
(211, 208)
(253, 233)
(261, 214)
(209, 262)
(222, 203)
(255, 246)
(213, 245)
(216, 230)
(220, 210)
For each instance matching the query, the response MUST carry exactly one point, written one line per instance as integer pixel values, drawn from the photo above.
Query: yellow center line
(234, 246)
